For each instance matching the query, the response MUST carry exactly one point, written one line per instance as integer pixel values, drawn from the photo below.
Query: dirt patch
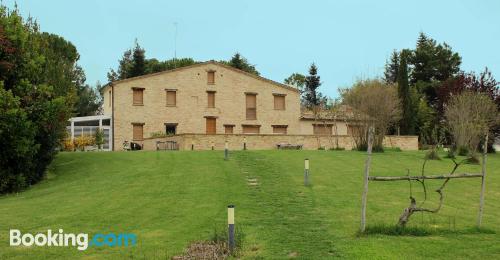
(206, 250)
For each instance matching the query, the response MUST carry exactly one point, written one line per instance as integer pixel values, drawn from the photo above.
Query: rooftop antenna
(175, 45)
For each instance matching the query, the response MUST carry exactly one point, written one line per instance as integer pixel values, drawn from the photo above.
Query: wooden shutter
(211, 77)
(251, 129)
(171, 98)
(211, 99)
(138, 96)
(251, 106)
(279, 129)
(228, 129)
(322, 129)
(211, 126)
(279, 102)
(137, 134)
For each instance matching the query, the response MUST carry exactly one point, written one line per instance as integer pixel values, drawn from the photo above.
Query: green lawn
(170, 199)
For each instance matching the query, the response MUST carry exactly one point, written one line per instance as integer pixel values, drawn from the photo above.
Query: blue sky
(346, 39)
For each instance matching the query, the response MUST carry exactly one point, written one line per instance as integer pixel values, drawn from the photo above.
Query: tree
(311, 98)
(376, 104)
(138, 61)
(407, 123)
(470, 116)
(392, 68)
(38, 86)
(296, 80)
(241, 63)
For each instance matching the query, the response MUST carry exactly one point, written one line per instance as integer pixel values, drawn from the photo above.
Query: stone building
(209, 103)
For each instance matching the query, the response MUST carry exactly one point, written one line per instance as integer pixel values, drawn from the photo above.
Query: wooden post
(483, 182)
(365, 181)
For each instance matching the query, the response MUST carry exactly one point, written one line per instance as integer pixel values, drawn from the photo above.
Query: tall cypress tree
(313, 82)
(138, 61)
(392, 68)
(407, 126)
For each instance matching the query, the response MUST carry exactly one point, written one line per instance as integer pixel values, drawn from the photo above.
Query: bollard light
(226, 150)
(244, 143)
(212, 143)
(192, 145)
(230, 226)
(306, 172)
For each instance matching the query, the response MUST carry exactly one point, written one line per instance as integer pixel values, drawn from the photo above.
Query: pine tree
(138, 61)
(392, 68)
(407, 126)
(241, 63)
(313, 82)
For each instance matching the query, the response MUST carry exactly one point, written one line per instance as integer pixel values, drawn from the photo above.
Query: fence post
(226, 150)
(230, 226)
(306, 172)
(365, 182)
(483, 182)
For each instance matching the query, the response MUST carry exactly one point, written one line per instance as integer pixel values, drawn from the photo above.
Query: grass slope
(170, 199)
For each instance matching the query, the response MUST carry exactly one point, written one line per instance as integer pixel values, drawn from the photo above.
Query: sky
(347, 40)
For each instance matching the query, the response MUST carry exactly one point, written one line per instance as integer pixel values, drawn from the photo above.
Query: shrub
(463, 151)
(432, 155)
(68, 145)
(159, 134)
(84, 140)
(337, 149)
(99, 137)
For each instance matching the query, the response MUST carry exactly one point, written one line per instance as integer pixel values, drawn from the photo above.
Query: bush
(432, 155)
(99, 137)
(463, 151)
(68, 145)
(84, 140)
(337, 149)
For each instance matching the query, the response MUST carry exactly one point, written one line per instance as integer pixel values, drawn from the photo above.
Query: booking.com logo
(81, 240)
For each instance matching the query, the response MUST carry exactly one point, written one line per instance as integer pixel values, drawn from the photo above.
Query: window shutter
(322, 129)
(211, 126)
(211, 99)
(228, 129)
(138, 96)
(211, 77)
(137, 132)
(279, 102)
(251, 106)
(279, 129)
(171, 98)
(251, 129)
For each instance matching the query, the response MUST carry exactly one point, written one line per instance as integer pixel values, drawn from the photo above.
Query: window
(211, 77)
(109, 98)
(228, 129)
(353, 130)
(279, 102)
(211, 125)
(251, 106)
(251, 129)
(138, 96)
(322, 129)
(211, 99)
(170, 128)
(279, 129)
(137, 132)
(171, 97)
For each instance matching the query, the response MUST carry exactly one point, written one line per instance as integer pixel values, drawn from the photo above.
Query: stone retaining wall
(267, 142)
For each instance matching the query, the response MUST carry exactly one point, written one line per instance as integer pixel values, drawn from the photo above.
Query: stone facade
(189, 115)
